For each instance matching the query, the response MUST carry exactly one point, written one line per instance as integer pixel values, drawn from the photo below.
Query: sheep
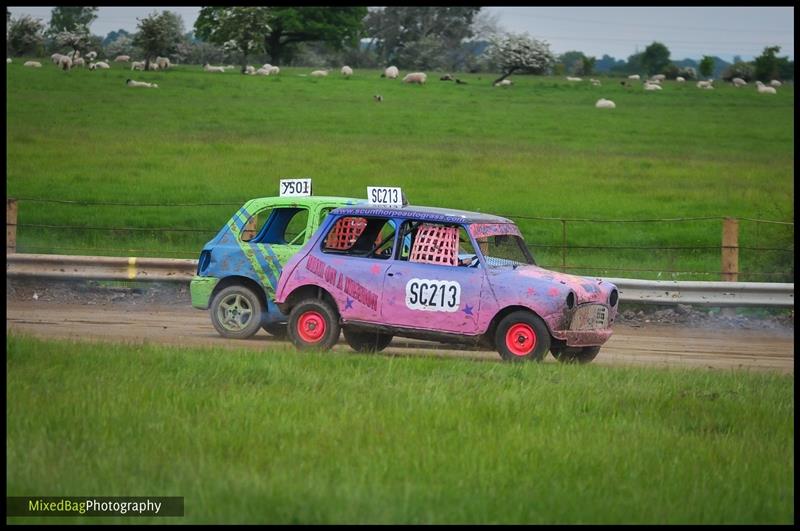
(378, 98)
(208, 68)
(775, 83)
(8, 60)
(416, 77)
(154, 65)
(680, 79)
(704, 84)
(137, 65)
(319, 73)
(266, 66)
(658, 77)
(573, 78)
(446, 77)
(78, 61)
(56, 57)
(249, 69)
(595, 82)
(634, 76)
(99, 64)
(91, 56)
(275, 70)
(34, 64)
(163, 63)
(764, 89)
(64, 62)
(603, 103)
(261, 72)
(504, 83)
(391, 73)
(653, 81)
(347, 71)
(738, 82)
(132, 83)
(122, 59)
(652, 86)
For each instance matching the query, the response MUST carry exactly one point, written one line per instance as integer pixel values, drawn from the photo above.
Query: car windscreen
(501, 244)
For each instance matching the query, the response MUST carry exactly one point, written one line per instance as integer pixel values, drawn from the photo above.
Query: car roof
(305, 201)
(422, 213)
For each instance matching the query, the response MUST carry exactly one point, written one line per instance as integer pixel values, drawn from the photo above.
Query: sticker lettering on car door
(433, 295)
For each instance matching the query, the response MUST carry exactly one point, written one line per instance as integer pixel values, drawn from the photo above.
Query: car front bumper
(584, 338)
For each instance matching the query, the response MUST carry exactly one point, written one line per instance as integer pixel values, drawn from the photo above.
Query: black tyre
(313, 325)
(236, 312)
(277, 330)
(522, 336)
(366, 341)
(577, 354)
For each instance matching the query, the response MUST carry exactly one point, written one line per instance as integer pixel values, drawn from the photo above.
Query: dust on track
(652, 344)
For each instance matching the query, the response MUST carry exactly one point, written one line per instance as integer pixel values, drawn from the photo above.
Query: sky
(688, 32)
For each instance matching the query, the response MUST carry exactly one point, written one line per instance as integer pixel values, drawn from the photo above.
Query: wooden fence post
(730, 250)
(11, 225)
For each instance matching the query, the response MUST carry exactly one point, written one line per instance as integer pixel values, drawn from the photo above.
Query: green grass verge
(284, 437)
(539, 148)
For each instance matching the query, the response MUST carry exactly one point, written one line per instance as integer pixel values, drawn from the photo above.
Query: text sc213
(295, 187)
(385, 196)
(433, 295)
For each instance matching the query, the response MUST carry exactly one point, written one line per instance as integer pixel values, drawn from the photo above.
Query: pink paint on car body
(403, 275)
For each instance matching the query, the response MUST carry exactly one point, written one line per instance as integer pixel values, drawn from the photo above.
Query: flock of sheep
(67, 62)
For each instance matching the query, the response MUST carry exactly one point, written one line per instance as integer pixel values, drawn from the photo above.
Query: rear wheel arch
(242, 281)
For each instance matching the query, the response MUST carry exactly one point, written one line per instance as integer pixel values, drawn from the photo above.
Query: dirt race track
(647, 345)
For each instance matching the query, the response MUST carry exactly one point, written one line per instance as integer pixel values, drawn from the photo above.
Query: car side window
(358, 236)
(255, 224)
(435, 243)
(277, 226)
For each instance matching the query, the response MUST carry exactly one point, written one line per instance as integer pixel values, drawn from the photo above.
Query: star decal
(531, 291)
(348, 303)
(467, 310)
(375, 269)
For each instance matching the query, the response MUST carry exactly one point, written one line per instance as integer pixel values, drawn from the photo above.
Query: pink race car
(438, 274)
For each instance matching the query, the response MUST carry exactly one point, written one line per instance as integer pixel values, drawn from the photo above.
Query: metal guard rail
(181, 270)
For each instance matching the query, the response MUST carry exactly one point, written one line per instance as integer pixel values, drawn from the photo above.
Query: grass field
(539, 148)
(283, 437)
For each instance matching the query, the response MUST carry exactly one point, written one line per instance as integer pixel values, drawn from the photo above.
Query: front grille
(590, 317)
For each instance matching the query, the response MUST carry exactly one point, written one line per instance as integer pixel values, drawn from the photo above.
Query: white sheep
(64, 62)
(144, 84)
(569, 78)
(416, 77)
(8, 60)
(763, 89)
(274, 70)
(137, 65)
(653, 81)
(594, 82)
(319, 73)
(504, 83)
(704, 84)
(34, 64)
(163, 63)
(249, 70)
(680, 79)
(78, 61)
(634, 76)
(261, 72)
(658, 77)
(122, 59)
(775, 83)
(99, 64)
(347, 71)
(391, 72)
(738, 82)
(208, 68)
(91, 56)
(56, 57)
(266, 66)
(603, 103)
(652, 86)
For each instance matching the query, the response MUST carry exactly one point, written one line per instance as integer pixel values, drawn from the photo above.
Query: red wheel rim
(311, 327)
(520, 339)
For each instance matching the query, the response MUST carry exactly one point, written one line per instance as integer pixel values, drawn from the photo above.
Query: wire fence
(769, 257)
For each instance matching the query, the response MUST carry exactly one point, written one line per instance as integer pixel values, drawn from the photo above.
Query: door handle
(389, 274)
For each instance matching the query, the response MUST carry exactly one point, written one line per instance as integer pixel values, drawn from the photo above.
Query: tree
(739, 69)
(243, 29)
(122, 45)
(71, 19)
(78, 40)
(655, 58)
(768, 64)
(634, 64)
(520, 52)
(706, 66)
(24, 35)
(572, 61)
(114, 35)
(422, 37)
(587, 66)
(159, 34)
